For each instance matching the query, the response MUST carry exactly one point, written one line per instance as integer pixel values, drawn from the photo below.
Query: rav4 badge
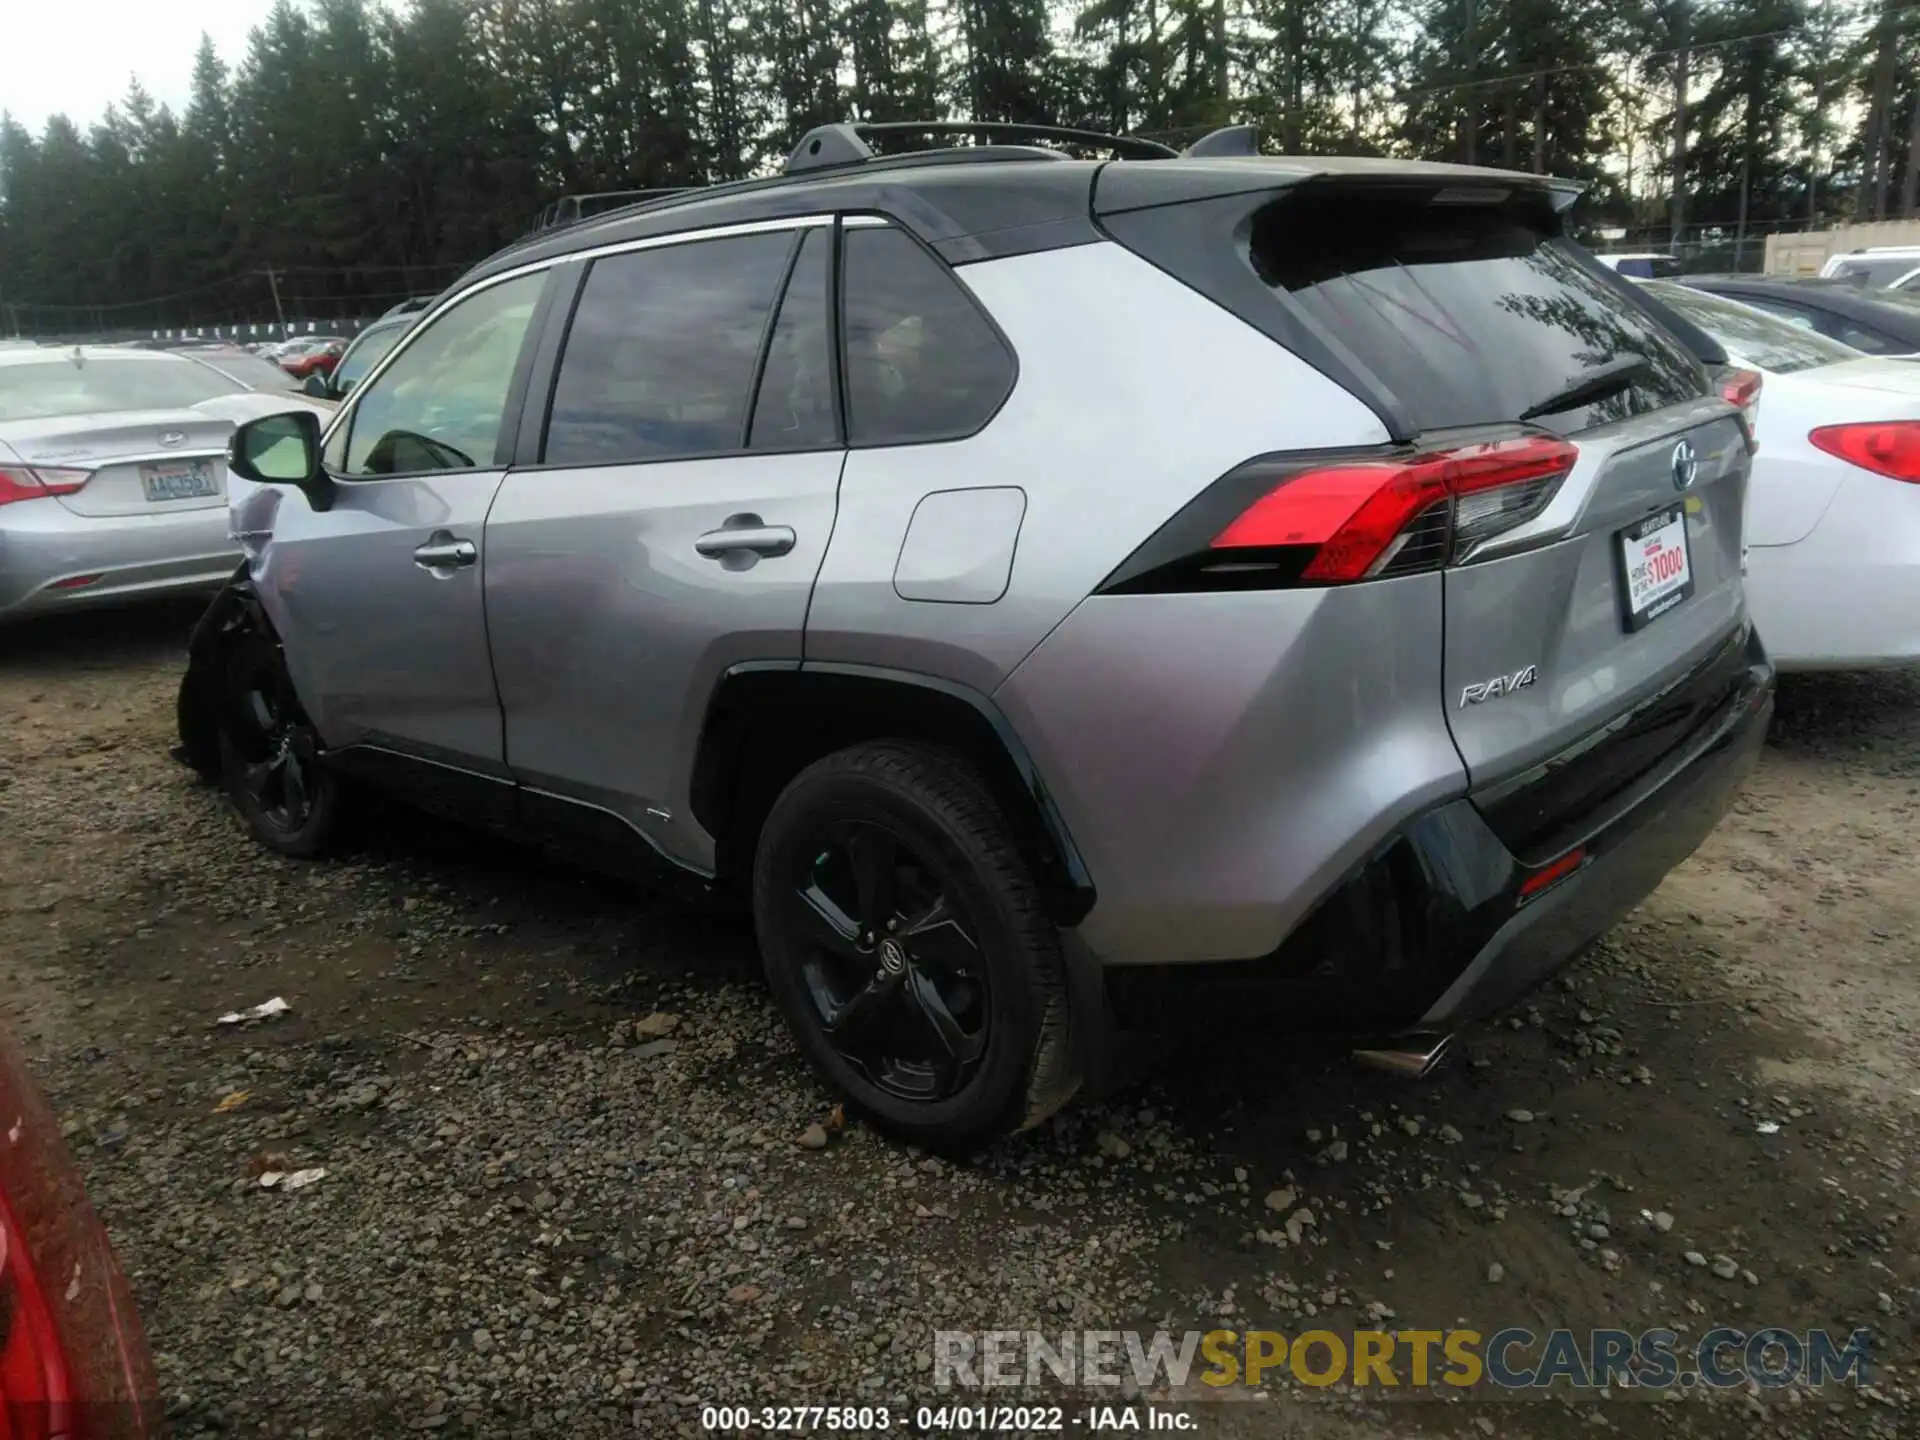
(1482, 691)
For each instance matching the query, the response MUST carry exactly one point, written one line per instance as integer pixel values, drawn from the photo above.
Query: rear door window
(1469, 313)
(922, 360)
(794, 409)
(659, 361)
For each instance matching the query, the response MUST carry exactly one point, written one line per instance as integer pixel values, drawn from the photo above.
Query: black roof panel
(977, 202)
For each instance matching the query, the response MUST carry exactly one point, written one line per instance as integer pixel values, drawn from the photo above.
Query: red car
(313, 357)
(73, 1361)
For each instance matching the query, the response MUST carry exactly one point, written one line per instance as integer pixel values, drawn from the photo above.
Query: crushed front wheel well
(234, 611)
(765, 725)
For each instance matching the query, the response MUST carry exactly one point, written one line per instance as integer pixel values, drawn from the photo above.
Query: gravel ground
(571, 1186)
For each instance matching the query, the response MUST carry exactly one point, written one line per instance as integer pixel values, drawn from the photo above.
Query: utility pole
(1683, 55)
(279, 315)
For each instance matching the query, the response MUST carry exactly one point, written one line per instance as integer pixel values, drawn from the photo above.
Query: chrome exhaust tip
(1412, 1057)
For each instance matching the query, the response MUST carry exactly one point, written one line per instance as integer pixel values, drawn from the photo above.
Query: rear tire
(908, 947)
(269, 756)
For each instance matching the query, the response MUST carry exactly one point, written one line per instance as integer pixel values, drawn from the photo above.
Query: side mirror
(342, 385)
(283, 450)
(315, 384)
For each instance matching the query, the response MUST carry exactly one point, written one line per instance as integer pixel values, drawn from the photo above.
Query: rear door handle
(446, 553)
(745, 534)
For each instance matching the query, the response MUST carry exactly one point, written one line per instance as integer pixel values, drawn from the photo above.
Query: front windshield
(60, 385)
(1752, 336)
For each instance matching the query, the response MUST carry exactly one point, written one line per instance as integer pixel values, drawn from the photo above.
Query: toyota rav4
(1008, 571)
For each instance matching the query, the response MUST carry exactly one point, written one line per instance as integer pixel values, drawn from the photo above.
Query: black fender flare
(235, 610)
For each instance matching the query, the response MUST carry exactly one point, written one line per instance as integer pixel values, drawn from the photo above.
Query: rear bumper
(46, 551)
(1437, 928)
(1624, 862)
(1847, 596)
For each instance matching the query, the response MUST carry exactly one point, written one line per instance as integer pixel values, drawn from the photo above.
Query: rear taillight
(36, 1398)
(1282, 520)
(1886, 447)
(19, 483)
(1742, 390)
(1378, 517)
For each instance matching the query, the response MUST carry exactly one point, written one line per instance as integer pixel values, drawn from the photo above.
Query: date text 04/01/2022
(945, 1419)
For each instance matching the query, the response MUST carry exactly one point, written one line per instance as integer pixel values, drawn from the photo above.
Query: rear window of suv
(1468, 314)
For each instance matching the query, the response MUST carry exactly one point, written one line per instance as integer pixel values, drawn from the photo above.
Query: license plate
(1655, 566)
(182, 480)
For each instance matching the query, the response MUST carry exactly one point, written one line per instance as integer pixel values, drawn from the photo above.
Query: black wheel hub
(890, 960)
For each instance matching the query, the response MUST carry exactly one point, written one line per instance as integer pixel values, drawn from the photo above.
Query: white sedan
(1833, 513)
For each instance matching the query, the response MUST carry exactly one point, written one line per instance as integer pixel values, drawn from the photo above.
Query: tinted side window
(660, 357)
(439, 405)
(794, 410)
(922, 361)
(1861, 338)
(1792, 314)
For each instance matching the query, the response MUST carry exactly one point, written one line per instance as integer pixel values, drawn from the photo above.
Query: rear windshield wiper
(1595, 385)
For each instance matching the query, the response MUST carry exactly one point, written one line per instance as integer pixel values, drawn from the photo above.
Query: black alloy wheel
(890, 959)
(909, 948)
(270, 755)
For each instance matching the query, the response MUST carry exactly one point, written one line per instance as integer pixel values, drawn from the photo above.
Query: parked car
(73, 1360)
(1833, 516)
(1320, 573)
(369, 347)
(113, 474)
(1642, 264)
(252, 372)
(1876, 267)
(1878, 322)
(315, 356)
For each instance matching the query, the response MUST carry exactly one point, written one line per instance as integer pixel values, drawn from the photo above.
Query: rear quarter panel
(1134, 393)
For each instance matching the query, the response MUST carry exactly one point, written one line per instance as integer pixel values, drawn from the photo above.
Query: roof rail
(828, 146)
(571, 208)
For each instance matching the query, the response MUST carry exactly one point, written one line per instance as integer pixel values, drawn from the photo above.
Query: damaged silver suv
(1010, 570)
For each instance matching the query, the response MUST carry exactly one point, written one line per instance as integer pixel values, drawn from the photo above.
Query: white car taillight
(1742, 388)
(17, 482)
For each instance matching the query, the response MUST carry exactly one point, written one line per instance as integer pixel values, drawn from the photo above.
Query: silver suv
(1014, 573)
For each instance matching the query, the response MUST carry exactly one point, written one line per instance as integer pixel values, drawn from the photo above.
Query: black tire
(269, 765)
(972, 997)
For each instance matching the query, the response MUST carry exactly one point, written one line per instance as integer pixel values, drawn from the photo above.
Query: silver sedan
(113, 474)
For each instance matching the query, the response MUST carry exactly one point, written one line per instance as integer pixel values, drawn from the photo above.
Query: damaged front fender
(235, 612)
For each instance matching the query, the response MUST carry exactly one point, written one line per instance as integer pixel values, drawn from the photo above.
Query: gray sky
(76, 56)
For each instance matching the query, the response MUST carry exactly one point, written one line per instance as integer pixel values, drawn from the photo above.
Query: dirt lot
(534, 1220)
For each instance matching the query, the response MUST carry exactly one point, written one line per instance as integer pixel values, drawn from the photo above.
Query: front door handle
(745, 535)
(443, 552)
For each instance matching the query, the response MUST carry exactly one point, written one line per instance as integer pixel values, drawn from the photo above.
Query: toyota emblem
(1686, 465)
